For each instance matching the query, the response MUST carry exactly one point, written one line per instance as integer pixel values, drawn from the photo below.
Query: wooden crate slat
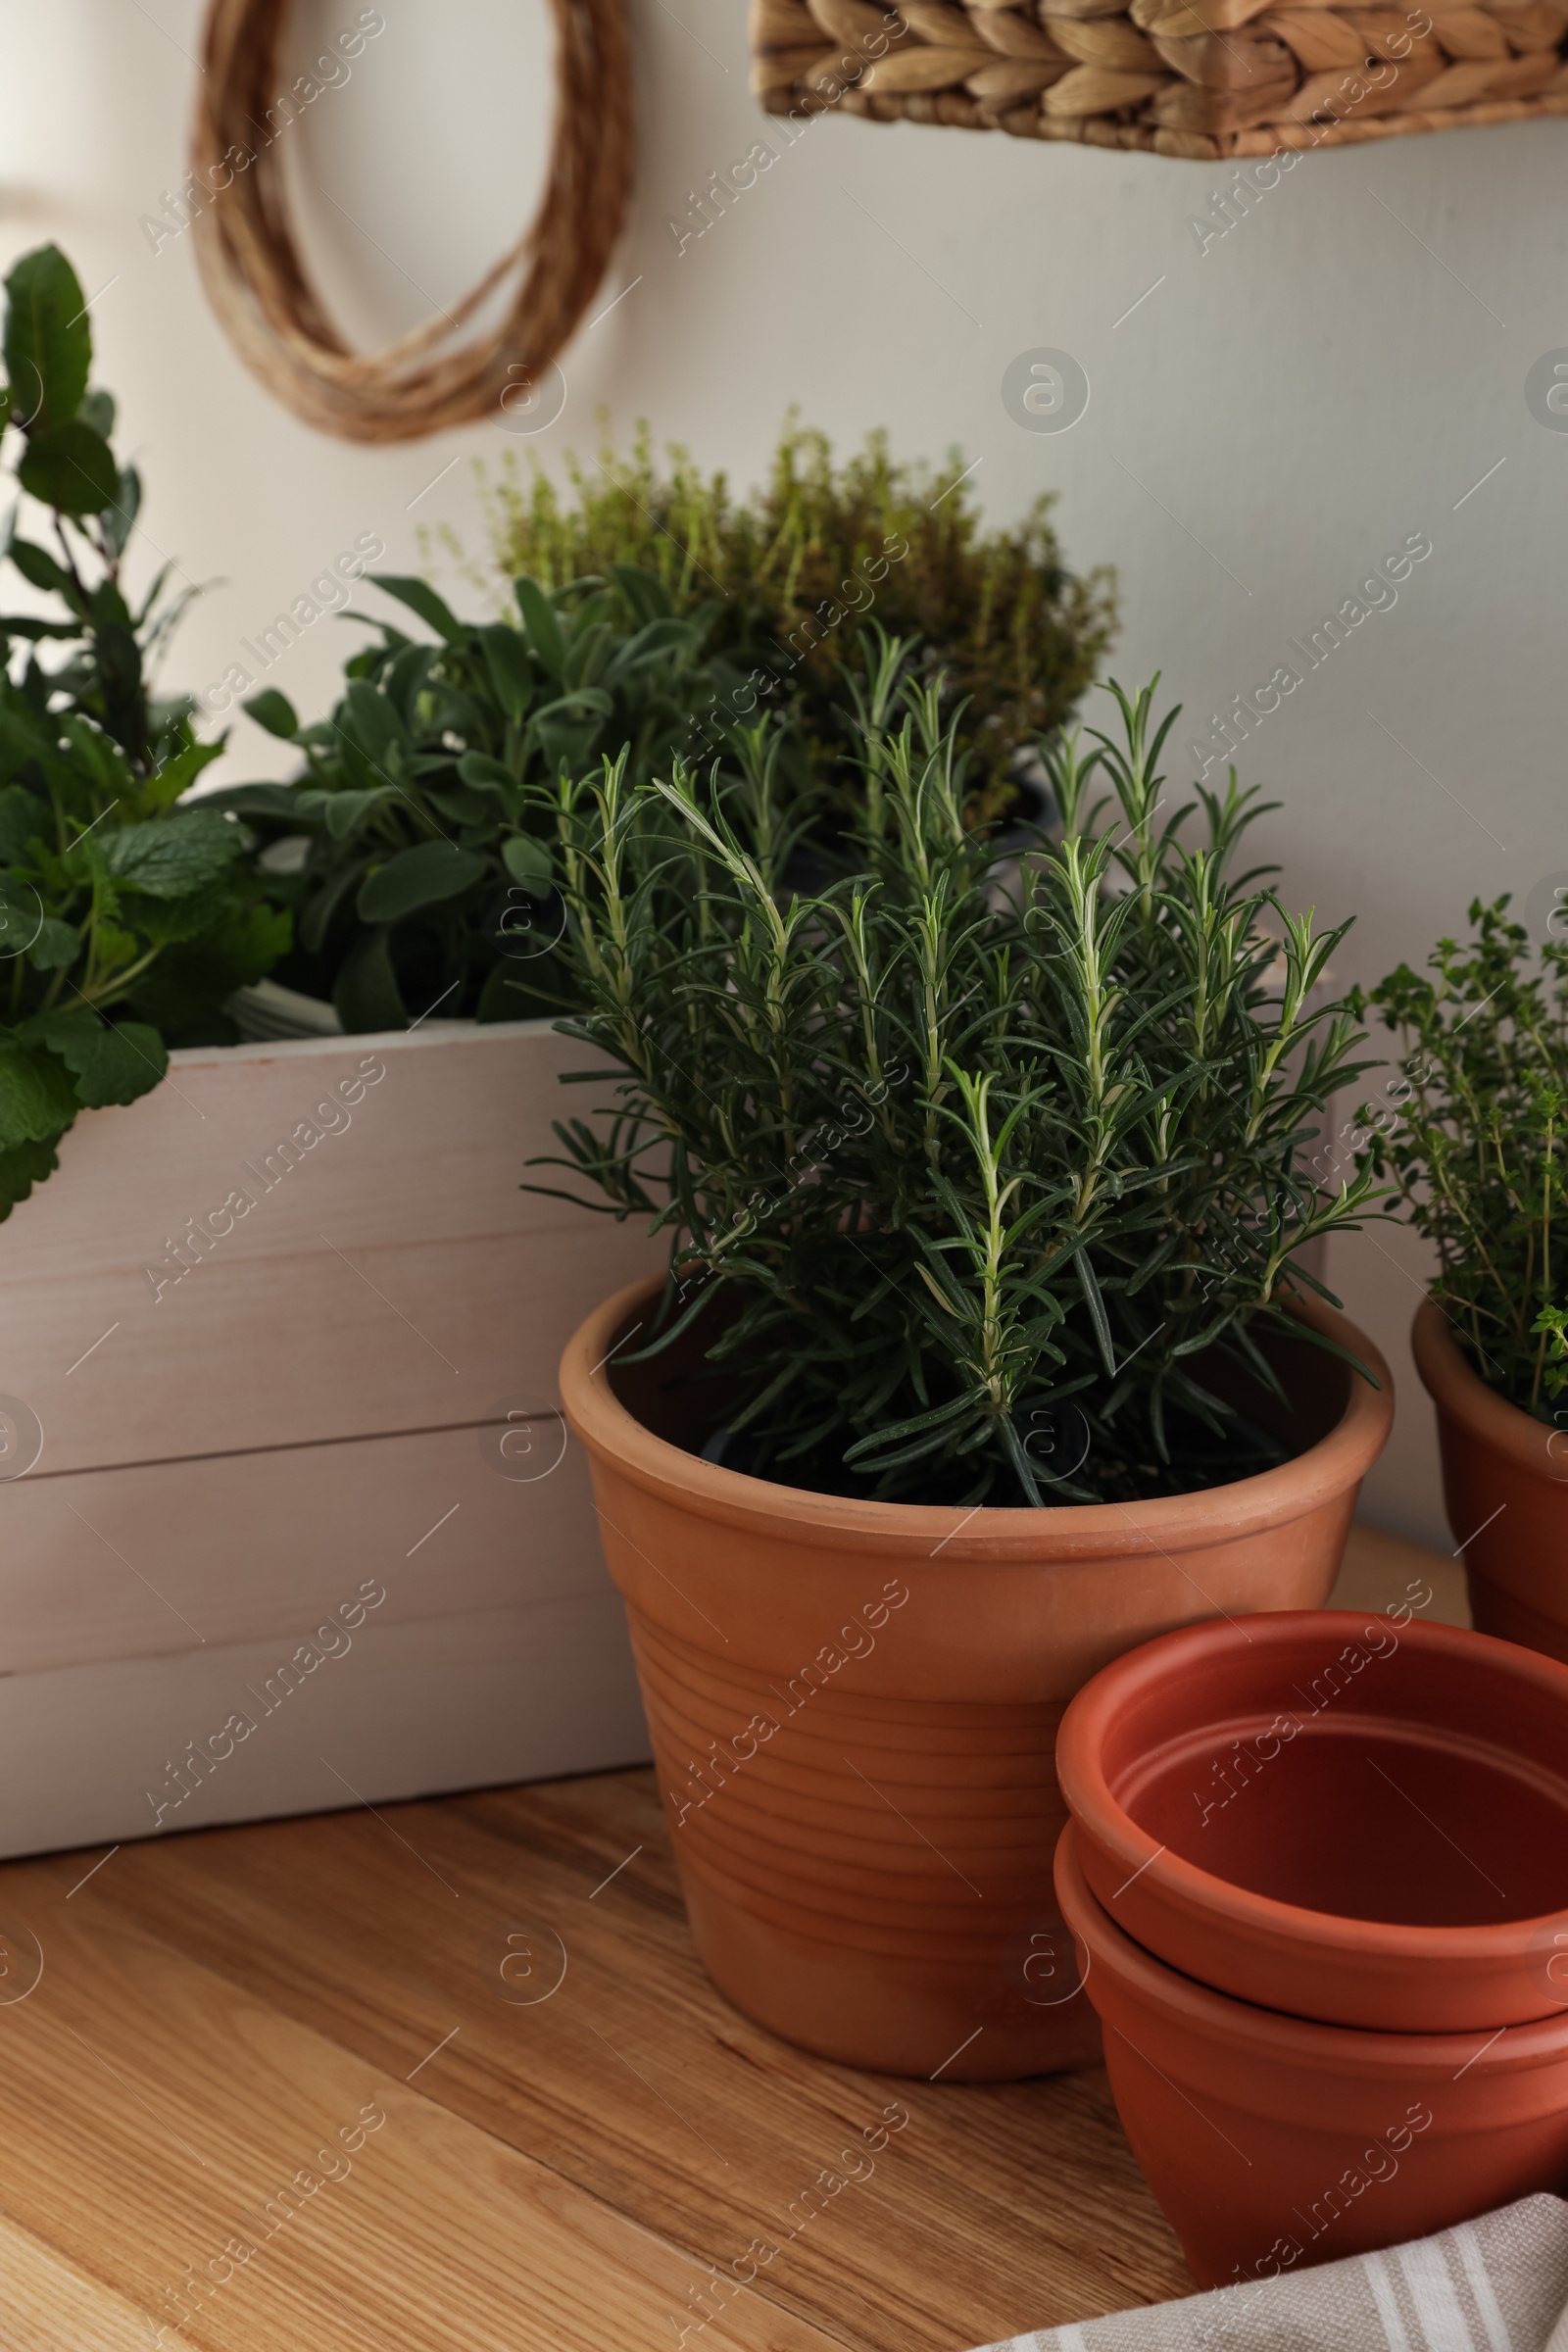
(454, 1701)
(278, 1335)
(158, 1558)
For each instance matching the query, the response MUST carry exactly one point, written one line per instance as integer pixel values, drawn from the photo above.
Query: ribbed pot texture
(1363, 1820)
(1271, 2143)
(854, 1706)
(1505, 1487)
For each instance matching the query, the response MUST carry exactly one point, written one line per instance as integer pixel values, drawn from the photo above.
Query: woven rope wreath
(265, 304)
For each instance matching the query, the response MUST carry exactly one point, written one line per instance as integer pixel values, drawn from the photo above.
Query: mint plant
(124, 918)
(959, 1150)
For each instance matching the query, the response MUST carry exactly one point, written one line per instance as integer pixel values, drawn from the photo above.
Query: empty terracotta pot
(1358, 1820)
(1506, 1487)
(1271, 2142)
(854, 1704)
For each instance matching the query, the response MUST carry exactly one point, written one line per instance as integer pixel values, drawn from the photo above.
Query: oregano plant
(968, 1154)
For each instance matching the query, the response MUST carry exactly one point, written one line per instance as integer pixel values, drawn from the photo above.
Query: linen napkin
(1496, 2285)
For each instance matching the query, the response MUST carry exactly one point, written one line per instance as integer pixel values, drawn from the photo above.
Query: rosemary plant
(1472, 1135)
(967, 1163)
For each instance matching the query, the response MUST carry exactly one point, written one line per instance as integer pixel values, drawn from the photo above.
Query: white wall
(1334, 374)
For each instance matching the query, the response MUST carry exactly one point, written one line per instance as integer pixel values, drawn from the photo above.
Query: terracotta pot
(1505, 1485)
(1271, 2142)
(1361, 1821)
(854, 1706)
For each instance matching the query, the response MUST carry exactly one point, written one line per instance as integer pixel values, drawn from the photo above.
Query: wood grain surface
(447, 2077)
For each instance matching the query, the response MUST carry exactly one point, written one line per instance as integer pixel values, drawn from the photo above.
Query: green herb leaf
(70, 467)
(510, 672)
(366, 994)
(346, 812)
(98, 410)
(175, 778)
(543, 626)
(278, 803)
(642, 591)
(55, 944)
(21, 1168)
(37, 1099)
(22, 817)
(371, 723)
(481, 773)
(528, 862)
(421, 598)
(48, 343)
(423, 876)
(39, 569)
(274, 711)
(174, 855)
(111, 1062)
(120, 516)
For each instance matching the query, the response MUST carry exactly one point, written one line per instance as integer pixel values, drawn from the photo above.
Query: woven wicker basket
(1185, 78)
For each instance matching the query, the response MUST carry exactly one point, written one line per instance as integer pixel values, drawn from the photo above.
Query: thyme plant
(1473, 1137)
(787, 575)
(968, 1163)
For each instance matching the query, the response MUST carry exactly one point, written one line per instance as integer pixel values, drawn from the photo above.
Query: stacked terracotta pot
(1317, 1878)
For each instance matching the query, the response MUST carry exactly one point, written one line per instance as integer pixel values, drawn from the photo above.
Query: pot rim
(1457, 1387)
(990, 1533)
(1080, 1745)
(1276, 2034)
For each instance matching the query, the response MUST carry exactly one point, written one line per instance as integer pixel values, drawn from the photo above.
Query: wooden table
(543, 2144)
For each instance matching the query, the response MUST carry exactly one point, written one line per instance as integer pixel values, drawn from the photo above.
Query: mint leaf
(112, 1061)
(37, 1099)
(21, 1168)
(171, 856)
(23, 816)
(55, 944)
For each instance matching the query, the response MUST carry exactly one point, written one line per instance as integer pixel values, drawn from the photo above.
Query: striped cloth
(1499, 2284)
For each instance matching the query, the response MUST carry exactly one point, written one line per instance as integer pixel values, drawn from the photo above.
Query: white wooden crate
(228, 1452)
